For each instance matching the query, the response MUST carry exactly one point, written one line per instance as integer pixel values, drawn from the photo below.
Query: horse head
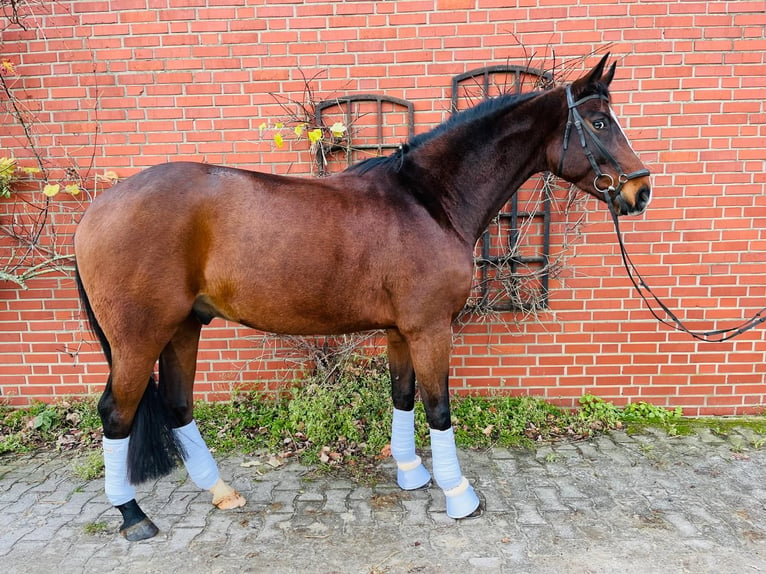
(592, 151)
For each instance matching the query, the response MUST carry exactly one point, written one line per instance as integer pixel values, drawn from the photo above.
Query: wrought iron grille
(374, 124)
(513, 255)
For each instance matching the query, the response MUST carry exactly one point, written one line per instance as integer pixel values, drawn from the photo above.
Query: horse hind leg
(178, 362)
(122, 399)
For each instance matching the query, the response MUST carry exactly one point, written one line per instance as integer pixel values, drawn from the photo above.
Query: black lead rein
(715, 336)
(576, 120)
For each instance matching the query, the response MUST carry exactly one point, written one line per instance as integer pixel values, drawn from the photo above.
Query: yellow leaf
(279, 125)
(7, 167)
(299, 129)
(51, 189)
(72, 189)
(279, 140)
(315, 135)
(262, 127)
(30, 170)
(338, 129)
(7, 67)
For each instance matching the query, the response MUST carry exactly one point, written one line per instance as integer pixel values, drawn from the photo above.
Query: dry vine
(28, 226)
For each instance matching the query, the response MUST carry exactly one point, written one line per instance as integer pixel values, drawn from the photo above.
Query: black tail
(154, 450)
(94, 326)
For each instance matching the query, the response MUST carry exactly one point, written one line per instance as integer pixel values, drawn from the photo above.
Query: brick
(690, 99)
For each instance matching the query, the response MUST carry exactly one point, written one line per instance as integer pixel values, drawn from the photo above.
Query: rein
(715, 336)
(645, 292)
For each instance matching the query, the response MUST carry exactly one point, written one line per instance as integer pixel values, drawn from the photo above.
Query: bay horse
(386, 244)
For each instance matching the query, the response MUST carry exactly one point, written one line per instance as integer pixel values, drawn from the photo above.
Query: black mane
(483, 111)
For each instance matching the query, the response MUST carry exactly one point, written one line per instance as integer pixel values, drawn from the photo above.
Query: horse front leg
(410, 474)
(430, 356)
(178, 363)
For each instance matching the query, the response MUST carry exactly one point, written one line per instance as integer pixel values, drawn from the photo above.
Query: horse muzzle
(632, 194)
(635, 203)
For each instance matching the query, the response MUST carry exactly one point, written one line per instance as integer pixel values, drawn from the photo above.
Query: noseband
(582, 128)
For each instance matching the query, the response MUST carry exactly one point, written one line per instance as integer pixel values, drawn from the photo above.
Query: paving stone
(634, 504)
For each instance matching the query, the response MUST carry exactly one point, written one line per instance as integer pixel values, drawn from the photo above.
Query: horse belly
(300, 300)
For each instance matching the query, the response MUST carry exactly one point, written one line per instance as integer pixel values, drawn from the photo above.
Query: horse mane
(487, 109)
(483, 118)
(484, 111)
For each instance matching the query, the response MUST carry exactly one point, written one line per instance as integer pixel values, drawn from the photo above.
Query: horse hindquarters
(138, 441)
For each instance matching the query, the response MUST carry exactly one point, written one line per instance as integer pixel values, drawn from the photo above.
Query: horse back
(282, 254)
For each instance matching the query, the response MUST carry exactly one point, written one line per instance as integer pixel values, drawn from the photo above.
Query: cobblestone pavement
(618, 503)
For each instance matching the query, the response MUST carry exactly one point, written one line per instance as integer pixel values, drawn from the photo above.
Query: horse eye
(599, 125)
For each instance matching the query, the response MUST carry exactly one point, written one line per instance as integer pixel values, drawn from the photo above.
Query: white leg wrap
(199, 462)
(461, 498)
(446, 466)
(403, 436)
(411, 474)
(118, 489)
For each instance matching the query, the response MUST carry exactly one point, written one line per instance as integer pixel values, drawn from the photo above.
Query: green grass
(96, 528)
(89, 467)
(343, 417)
(66, 425)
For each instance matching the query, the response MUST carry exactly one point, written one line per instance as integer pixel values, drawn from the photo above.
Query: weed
(66, 425)
(340, 417)
(738, 448)
(551, 457)
(91, 467)
(13, 442)
(344, 417)
(648, 413)
(596, 408)
(249, 422)
(45, 420)
(95, 528)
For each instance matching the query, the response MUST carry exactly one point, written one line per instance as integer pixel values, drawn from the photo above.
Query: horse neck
(471, 171)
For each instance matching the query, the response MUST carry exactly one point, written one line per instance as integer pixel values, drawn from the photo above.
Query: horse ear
(609, 76)
(579, 85)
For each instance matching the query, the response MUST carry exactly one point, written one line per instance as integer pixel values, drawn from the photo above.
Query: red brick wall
(116, 88)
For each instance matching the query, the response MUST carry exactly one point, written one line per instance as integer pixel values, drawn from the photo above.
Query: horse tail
(92, 321)
(154, 450)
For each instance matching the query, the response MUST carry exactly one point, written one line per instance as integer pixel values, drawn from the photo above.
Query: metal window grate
(512, 256)
(374, 123)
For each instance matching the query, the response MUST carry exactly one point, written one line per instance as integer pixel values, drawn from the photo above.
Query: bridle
(576, 120)
(609, 191)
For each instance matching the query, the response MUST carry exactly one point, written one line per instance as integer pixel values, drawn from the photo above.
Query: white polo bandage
(403, 439)
(445, 464)
(199, 462)
(460, 496)
(118, 489)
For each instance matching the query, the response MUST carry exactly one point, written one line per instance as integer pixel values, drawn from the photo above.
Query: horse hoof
(462, 501)
(140, 530)
(476, 513)
(415, 478)
(231, 500)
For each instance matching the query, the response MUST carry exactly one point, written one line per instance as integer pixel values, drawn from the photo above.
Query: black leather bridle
(609, 191)
(576, 120)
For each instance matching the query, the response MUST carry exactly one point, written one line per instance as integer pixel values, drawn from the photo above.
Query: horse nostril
(643, 196)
